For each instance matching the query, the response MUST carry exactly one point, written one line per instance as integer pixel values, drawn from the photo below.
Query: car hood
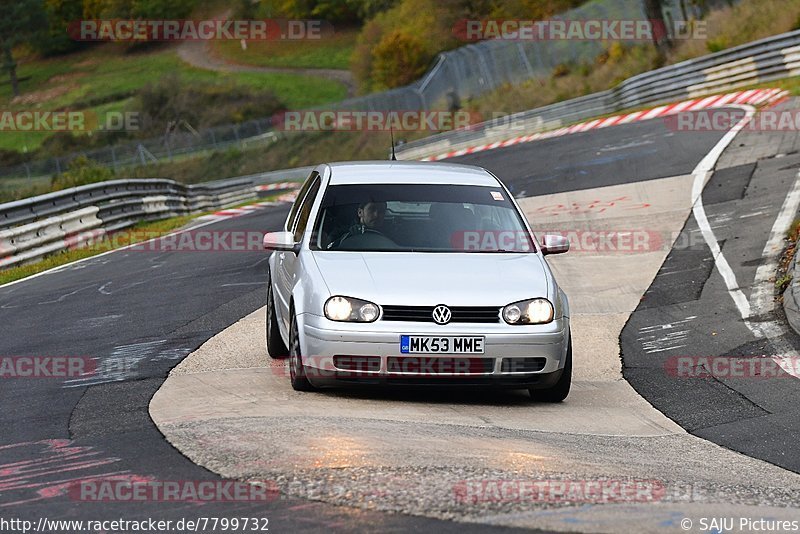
(428, 279)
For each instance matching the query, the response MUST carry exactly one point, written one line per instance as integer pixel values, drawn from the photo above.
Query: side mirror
(554, 244)
(281, 241)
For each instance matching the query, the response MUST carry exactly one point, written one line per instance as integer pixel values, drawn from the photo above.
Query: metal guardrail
(35, 227)
(760, 61)
(293, 175)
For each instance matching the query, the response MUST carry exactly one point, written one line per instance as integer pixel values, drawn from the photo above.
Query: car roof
(408, 172)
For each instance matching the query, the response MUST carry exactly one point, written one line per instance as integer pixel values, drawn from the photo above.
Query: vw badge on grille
(442, 314)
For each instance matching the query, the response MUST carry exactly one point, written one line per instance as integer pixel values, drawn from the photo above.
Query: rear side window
(305, 210)
(290, 219)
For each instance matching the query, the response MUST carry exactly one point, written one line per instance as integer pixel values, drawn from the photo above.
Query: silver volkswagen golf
(415, 274)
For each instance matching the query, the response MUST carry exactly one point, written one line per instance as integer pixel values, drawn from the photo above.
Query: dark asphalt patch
(728, 184)
(683, 274)
(702, 399)
(772, 438)
(680, 279)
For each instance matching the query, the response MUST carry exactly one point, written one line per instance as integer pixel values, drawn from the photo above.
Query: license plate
(441, 344)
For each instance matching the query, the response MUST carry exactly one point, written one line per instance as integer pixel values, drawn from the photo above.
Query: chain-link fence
(475, 69)
(456, 75)
(142, 152)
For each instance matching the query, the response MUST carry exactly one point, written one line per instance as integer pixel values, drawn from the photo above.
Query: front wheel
(560, 390)
(297, 371)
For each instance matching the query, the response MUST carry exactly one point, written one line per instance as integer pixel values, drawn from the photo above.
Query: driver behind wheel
(371, 215)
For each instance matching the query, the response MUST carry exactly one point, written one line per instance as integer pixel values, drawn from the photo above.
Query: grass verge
(784, 277)
(105, 77)
(111, 72)
(328, 52)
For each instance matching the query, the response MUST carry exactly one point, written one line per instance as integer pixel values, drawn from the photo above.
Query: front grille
(358, 363)
(439, 365)
(522, 365)
(424, 314)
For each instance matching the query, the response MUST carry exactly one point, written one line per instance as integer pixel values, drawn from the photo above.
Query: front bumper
(514, 356)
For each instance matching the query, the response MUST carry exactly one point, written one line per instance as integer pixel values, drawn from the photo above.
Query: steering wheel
(368, 230)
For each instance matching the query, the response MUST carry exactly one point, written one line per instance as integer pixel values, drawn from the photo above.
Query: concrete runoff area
(468, 455)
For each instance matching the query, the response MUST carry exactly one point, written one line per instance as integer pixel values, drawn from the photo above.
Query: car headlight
(351, 310)
(534, 311)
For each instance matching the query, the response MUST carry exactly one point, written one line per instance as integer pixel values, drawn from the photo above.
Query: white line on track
(701, 173)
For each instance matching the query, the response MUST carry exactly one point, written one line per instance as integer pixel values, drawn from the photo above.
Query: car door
(287, 262)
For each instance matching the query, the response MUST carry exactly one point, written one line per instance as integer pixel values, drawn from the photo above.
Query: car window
(305, 210)
(301, 194)
(419, 217)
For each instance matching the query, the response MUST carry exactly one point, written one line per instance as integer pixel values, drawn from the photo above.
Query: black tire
(560, 390)
(276, 348)
(297, 371)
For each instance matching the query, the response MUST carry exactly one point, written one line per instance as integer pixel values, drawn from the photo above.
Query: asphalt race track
(139, 313)
(688, 311)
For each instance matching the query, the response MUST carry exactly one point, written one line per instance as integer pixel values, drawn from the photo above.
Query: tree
(366, 9)
(399, 59)
(20, 22)
(55, 37)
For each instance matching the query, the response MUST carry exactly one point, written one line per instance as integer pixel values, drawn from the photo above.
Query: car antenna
(391, 132)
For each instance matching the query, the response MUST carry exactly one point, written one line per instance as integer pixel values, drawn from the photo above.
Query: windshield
(420, 218)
